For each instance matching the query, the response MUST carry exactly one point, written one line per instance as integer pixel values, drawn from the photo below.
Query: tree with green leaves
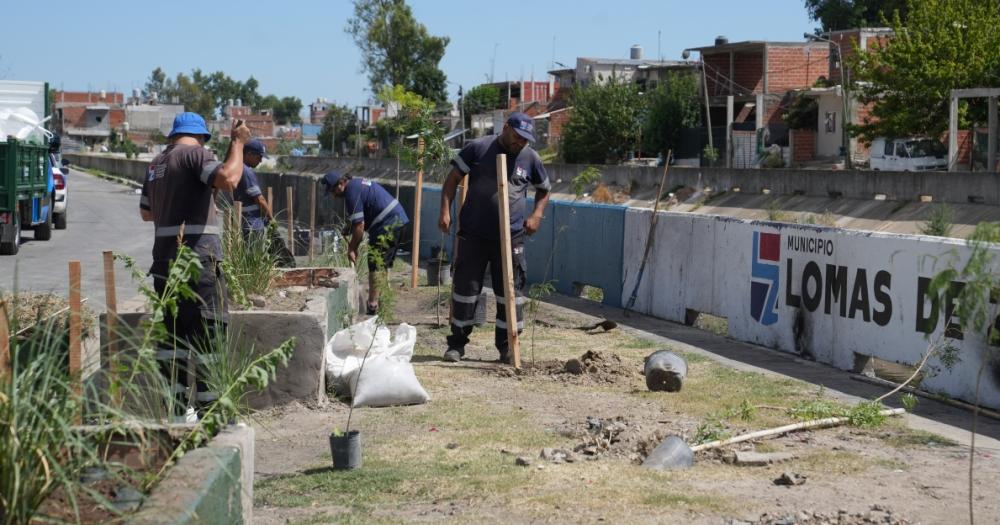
(835, 15)
(673, 106)
(397, 50)
(339, 123)
(944, 45)
(414, 116)
(480, 99)
(606, 122)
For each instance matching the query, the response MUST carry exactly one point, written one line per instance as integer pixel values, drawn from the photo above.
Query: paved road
(101, 216)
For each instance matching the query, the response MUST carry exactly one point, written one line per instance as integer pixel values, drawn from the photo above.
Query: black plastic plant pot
(346, 450)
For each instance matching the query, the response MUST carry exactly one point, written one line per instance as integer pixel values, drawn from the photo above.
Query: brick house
(88, 117)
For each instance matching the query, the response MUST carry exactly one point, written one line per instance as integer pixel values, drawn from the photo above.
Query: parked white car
(60, 188)
(908, 154)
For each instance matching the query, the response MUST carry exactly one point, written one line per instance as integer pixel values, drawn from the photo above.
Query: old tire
(43, 231)
(10, 248)
(59, 221)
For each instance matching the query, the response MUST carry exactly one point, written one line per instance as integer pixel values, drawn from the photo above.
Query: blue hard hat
(190, 124)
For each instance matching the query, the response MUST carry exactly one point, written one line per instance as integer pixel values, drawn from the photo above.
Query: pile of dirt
(28, 309)
(287, 299)
(616, 438)
(593, 366)
(877, 514)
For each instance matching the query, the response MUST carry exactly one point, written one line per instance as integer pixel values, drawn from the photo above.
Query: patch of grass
(833, 462)
(714, 324)
(776, 214)
(908, 438)
(938, 222)
(892, 464)
(592, 293)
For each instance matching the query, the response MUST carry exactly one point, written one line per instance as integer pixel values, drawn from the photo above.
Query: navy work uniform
(178, 193)
(367, 201)
(247, 192)
(479, 232)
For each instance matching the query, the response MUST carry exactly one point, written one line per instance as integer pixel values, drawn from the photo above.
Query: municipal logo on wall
(765, 272)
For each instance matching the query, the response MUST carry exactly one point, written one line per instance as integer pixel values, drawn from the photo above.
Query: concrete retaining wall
(824, 293)
(209, 485)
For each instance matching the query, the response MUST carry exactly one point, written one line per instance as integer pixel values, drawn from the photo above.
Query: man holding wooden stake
(178, 197)
(480, 229)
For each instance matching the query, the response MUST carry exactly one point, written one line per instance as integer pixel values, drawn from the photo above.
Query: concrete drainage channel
(214, 484)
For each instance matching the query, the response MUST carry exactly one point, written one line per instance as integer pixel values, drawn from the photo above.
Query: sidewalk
(929, 415)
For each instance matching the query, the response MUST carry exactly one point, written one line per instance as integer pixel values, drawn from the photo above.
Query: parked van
(908, 154)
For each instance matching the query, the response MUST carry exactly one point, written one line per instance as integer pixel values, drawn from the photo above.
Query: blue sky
(299, 48)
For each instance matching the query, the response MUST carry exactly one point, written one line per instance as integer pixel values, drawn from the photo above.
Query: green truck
(26, 181)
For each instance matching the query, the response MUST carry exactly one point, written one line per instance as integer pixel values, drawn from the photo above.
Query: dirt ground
(547, 446)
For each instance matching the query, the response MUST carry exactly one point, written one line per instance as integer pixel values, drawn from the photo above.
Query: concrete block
(303, 378)
(242, 437)
(749, 458)
(204, 487)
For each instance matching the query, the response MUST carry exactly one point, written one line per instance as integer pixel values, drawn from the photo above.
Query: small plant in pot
(345, 445)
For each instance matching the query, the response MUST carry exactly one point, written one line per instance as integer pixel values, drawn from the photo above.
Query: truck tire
(43, 231)
(59, 221)
(10, 248)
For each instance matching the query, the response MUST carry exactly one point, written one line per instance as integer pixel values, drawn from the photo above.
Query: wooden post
(507, 260)
(291, 220)
(270, 198)
(415, 256)
(111, 302)
(238, 219)
(111, 312)
(5, 360)
(312, 219)
(75, 350)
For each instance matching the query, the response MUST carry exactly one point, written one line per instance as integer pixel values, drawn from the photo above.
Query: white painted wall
(704, 263)
(828, 143)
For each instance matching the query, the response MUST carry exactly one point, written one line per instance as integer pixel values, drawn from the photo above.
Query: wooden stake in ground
(5, 361)
(312, 219)
(75, 350)
(463, 190)
(111, 303)
(270, 199)
(507, 260)
(238, 219)
(111, 315)
(291, 221)
(650, 236)
(415, 256)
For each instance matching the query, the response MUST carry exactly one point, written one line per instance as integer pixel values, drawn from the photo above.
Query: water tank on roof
(635, 52)
(721, 40)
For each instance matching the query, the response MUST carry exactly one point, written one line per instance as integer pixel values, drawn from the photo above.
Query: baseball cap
(331, 178)
(522, 124)
(255, 146)
(190, 124)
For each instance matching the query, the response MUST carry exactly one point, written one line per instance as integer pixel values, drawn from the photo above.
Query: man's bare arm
(229, 174)
(447, 196)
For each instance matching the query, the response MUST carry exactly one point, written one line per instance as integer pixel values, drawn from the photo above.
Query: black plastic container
(346, 450)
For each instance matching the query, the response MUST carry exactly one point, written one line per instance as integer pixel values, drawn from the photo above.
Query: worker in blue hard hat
(369, 208)
(178, 197)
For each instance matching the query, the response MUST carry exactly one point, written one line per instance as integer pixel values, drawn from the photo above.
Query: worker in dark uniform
(256, 211)
(178, 196)
(369, 208)
(479, 229)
